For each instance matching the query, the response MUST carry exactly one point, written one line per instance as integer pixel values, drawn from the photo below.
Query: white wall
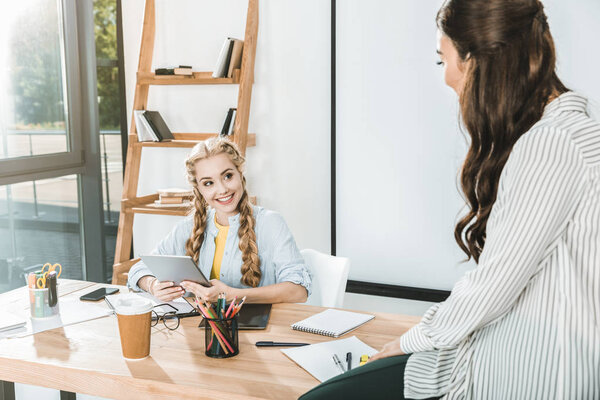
(398, 142)
(289, 169)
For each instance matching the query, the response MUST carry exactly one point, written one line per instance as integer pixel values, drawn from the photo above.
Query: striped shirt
(525, 324)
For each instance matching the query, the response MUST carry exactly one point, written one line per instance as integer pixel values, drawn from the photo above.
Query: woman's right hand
(165, 291)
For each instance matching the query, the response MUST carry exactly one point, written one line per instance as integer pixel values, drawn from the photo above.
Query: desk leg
(67, 395)
(7, 390)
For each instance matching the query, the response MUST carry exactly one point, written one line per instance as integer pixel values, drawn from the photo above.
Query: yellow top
(219, 249)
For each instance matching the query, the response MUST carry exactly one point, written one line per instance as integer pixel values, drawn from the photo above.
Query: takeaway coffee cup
(134, 317)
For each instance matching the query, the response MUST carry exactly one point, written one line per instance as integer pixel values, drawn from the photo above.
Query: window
(50, 191)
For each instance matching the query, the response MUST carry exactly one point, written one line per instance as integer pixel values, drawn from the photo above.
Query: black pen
(349, 360)
(284, 344)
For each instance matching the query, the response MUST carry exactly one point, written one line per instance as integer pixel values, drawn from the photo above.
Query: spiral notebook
(332, 322)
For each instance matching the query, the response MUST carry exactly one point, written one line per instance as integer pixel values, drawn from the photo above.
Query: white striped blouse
(525, 324)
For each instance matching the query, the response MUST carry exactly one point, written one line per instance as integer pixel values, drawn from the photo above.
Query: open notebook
(332, 322)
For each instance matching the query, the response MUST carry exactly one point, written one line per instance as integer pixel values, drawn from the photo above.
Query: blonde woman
(247, 250)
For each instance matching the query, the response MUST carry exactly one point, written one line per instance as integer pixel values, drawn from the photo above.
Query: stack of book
(151, 127)
(181, 70)
(230, 58)
(174, 197)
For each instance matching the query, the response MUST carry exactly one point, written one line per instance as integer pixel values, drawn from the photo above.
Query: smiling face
(220, 183)
(454, 67)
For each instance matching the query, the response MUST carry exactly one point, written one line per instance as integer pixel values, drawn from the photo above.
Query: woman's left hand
(208, 293)
(389, 350)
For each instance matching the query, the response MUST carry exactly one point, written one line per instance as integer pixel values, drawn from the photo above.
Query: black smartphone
(98, 294)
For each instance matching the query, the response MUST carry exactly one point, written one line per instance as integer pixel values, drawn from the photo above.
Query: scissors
(41, 281)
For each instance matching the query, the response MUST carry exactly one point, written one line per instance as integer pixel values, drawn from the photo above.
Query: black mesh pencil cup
(221, 337)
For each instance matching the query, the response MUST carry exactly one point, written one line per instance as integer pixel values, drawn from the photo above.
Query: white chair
(329, 277)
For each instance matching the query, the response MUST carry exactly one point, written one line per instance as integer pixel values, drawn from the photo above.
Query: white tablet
(175, 269)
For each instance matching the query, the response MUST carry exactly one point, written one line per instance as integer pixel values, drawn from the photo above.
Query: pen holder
(221, 337)
(42, 304)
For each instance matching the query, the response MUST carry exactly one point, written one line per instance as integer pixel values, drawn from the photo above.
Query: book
(158, 126)
(143, 129)
(232, 125)
(158, 203)
(174, 192)
(235, 61)
(228, 59)
(227, 123)
(171, 200)
(164, 71)
(222, 65)
(183, 70)
(316, 359)
(332, 322)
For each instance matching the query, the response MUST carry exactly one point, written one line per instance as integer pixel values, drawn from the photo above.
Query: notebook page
(317, 359)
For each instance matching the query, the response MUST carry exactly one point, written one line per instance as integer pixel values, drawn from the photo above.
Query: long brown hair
(509, 78)
(250, 269)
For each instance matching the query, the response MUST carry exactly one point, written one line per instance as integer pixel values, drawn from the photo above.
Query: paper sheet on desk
(180, 304)
(317, 359)
(72, 311)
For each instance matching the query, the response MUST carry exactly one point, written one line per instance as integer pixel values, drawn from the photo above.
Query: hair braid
(193, 244)
(251, 272)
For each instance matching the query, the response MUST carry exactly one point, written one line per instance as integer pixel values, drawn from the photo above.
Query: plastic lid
(131, 305)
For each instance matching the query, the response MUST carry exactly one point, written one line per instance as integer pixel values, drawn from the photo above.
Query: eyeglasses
(170, 318)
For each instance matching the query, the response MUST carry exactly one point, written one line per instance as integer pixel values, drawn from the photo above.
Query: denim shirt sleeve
(287, 260)
(173, 244)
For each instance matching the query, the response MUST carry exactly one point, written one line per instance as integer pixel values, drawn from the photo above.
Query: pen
(337, 362)
(349, 360)
(273, 344)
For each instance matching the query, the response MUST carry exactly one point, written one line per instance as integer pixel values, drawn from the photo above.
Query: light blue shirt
(280, 260)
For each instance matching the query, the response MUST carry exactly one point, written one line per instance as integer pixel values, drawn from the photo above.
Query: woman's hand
(209, 293)
(165, 291)
(389, 350)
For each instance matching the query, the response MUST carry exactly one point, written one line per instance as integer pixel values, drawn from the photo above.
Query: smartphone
(98, 294)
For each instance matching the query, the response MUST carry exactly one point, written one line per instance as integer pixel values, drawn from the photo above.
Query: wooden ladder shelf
(131, 203)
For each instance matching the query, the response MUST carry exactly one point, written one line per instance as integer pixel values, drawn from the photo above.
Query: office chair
(329, 277)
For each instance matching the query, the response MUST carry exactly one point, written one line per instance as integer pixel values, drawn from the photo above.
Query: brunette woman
(525, 323)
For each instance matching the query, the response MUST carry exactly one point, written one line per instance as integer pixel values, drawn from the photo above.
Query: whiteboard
(398, 142)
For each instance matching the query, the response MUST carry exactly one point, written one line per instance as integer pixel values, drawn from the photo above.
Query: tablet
(175, 269)
(252, 316)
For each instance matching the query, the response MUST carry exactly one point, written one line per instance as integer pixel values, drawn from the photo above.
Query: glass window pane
(39, 223)
(32, 109)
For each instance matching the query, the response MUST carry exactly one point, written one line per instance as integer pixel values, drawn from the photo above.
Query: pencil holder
(42, 304)
(221, 337)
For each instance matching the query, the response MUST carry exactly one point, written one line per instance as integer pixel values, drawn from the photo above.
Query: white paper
(181, 305)
(317, 359)
(10, 321)
(72, 311)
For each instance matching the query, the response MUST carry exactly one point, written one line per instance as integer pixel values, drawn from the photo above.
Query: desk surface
(86, 357)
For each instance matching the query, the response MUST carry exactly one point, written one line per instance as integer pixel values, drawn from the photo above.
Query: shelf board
(198, 78)
(191, 139)
(138, 206)
(152, 209)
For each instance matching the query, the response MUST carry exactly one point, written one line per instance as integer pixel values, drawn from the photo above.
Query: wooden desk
(86, 357)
